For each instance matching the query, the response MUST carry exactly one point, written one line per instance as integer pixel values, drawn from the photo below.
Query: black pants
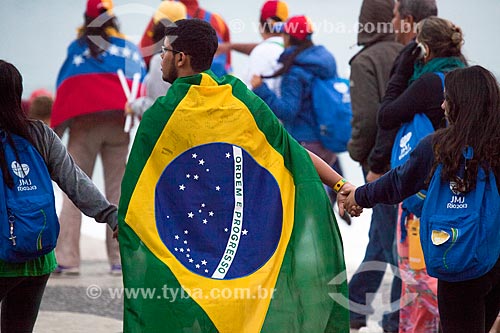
(21, 298)
(470, 306)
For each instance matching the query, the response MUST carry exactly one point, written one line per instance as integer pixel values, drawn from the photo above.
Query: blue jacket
(294, 106)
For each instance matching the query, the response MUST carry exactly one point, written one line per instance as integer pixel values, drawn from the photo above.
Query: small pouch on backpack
(415, 253)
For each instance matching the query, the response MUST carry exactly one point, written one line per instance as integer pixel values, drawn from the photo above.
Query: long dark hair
(12, 117)
(301, 45)
(473, 111)
(85, 34)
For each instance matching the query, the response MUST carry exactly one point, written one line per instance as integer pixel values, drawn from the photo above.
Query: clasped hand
(346, 201)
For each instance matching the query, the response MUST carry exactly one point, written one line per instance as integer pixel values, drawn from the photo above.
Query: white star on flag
(114, 50)
(244, 232)
(201, 162)
(176, 236)
(217, 188)
(186, 232)
(228, 155)
(136, 57)
(197, 266)
(126, 52)
(205, 221)
(194, 155)
(210, 213)
(182, 187)
(78, 60)
(196, 177)
(204, 262)
(190, 215)
(188, 176)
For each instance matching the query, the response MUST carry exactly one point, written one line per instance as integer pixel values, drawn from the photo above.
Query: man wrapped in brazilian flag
(224, 222)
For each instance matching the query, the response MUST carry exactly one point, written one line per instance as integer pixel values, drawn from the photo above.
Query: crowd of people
(175, 83)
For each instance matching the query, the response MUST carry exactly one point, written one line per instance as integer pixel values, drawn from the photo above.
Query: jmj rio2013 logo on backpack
(22, 171)
(457, 199)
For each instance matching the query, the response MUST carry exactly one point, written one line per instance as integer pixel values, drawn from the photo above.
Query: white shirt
(263, 60)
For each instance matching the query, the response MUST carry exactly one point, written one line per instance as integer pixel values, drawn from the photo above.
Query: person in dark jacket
(471, 106)
(370, 69)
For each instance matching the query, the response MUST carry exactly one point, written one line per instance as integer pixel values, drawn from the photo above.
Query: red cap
(40, 92)
(98, 7)
(274, 9)
(299, 27)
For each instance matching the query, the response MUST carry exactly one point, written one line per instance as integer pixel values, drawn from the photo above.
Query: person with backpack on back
(457, 162)
(22, 282)
(415, 91)
(303, 62)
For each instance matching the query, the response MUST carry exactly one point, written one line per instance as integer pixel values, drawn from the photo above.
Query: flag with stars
(82, 75)
(224, 220)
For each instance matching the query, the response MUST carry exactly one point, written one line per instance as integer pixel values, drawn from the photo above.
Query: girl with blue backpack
(460, 228)
(31, 156)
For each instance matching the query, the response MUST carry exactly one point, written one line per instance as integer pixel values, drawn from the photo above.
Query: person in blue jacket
(301, 61)
(472, 109)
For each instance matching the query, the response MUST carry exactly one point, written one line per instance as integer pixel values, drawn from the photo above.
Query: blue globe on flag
(218, 211)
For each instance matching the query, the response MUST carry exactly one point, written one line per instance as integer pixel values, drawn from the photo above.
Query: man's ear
(182, 60)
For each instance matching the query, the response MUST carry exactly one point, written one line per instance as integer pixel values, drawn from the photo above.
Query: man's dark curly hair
(196, 38)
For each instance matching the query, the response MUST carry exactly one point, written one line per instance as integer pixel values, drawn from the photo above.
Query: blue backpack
(407, 138)
(460, 232)
(332, 109)
(28, 221)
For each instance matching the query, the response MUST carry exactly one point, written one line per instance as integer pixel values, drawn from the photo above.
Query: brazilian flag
(224, 223)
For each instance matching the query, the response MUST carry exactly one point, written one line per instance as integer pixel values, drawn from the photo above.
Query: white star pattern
(136, 57)
(244, 232)
(86, 53)
(208, 170)
(228, 155)
(206, 270)
(126, 52)
(182, 250)
(114, 50)
(186, 232)
(188, 249)
(191, 260)
(201, 162)
(210, 213)
(185, 242)
(205, 221)
(190, 215)
(197, 266)
(203, 205)
(196, 177)
(217, 188)
(78, 60)
(204, 262)
(188, 255)
(194, 155)
(182, 187)
(176, 236)
(176, 249)
(199, 211)
(226, 229)
(188, 176)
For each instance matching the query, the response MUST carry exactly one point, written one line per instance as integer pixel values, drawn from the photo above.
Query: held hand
(342, 196)
(128, 109)
(372, 176)
(115, 233)
(351, 205)
(256, 81)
